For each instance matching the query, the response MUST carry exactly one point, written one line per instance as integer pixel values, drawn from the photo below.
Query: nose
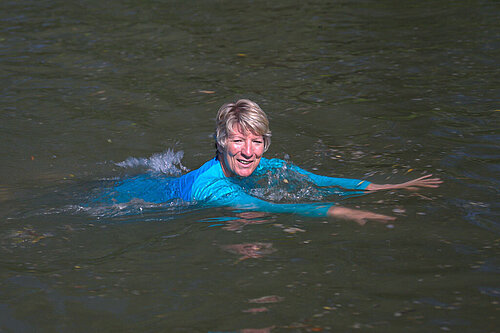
(247, 149)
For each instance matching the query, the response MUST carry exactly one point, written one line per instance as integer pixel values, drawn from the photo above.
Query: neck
(226, 172)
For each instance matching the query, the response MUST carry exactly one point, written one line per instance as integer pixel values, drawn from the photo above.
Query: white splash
(168, 162)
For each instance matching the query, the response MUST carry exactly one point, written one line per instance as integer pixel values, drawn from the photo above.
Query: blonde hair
(246, 114)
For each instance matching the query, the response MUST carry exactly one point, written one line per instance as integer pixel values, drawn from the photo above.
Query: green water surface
(382, 90)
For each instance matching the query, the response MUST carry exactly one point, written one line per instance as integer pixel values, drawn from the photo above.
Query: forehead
(238, 130)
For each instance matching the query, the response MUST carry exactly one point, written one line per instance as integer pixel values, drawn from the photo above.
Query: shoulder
(208, 164)
(211, 168)
(211, 183)
(187, 181)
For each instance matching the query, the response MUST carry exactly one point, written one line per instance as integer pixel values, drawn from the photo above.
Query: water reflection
(247, 218)
(250, 250)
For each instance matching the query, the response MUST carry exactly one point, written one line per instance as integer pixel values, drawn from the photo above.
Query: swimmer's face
(242, 153)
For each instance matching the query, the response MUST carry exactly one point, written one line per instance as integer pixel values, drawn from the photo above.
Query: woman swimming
(242, 137)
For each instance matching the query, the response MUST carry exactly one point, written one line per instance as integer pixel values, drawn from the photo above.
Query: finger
(424, 177)
(433, 180)
(425, 182)
(431, 184)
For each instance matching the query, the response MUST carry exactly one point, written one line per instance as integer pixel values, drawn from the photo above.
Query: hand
(424, 181)
(358, 216)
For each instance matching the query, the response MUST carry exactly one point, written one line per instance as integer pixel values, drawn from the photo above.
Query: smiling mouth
(245, 162)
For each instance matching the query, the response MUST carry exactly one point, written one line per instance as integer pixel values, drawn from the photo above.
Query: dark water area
(94, 92)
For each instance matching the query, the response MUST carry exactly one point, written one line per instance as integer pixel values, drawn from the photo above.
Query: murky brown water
(376, 89)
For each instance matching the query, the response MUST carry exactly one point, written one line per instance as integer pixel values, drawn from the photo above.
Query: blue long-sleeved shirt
(208, 185)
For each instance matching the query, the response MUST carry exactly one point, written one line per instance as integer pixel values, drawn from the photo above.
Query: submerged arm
(241, 200)
(357, 215)
(319, 210)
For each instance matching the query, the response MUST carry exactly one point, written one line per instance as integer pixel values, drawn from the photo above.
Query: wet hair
(246, 114)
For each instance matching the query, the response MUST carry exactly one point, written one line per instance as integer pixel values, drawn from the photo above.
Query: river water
(95, 91)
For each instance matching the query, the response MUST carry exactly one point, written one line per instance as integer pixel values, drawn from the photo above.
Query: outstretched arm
(229, 195)
(357, 184)
(241, 200)
(312, 210)
(345, 183)
(425, 181)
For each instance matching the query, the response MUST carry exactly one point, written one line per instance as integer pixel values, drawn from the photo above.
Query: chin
(244, 172)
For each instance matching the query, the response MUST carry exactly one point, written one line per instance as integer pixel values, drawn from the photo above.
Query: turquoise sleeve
(346, 183)
(223, 193)
(242, 200)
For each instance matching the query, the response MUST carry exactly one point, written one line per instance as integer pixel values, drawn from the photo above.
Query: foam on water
(283, 185)
(168, 163)
(87, 198)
